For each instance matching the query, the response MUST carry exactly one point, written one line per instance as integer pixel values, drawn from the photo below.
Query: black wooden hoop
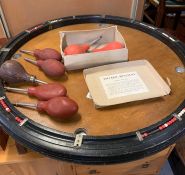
(95, 149)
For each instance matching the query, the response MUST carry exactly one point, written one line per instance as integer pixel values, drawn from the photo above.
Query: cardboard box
(86, 60)
(124, 82)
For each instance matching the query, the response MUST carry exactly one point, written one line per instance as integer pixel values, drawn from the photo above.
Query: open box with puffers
(91, 59)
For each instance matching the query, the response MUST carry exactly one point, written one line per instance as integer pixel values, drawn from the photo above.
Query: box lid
(124, 82)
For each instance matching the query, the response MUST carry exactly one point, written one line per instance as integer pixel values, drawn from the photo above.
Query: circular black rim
(95, 149)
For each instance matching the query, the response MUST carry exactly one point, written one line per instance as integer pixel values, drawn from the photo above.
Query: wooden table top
(117, 119)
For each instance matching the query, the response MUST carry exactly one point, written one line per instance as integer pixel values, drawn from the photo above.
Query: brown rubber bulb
(51, 67)
(47, 53)
(47, 91)
(58, 107)
(12, 71)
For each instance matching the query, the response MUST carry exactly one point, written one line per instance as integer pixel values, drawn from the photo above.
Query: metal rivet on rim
(103, 25)
(80, 132)
(16, 56)
(180, 69)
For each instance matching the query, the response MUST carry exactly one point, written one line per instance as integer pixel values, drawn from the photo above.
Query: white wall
(22, 14)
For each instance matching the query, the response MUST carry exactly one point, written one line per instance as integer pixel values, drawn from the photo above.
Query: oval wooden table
(111, 132)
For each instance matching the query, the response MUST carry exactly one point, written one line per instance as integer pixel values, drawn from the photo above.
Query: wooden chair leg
(176, 20)
(3, 139)
(159, 20)
(21, 149)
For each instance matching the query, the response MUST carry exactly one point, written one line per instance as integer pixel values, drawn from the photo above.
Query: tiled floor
(166, 170)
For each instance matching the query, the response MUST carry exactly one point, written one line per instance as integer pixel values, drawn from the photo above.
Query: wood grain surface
(31, 163)
(3, 139)
(118, 119)
(11, 155)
